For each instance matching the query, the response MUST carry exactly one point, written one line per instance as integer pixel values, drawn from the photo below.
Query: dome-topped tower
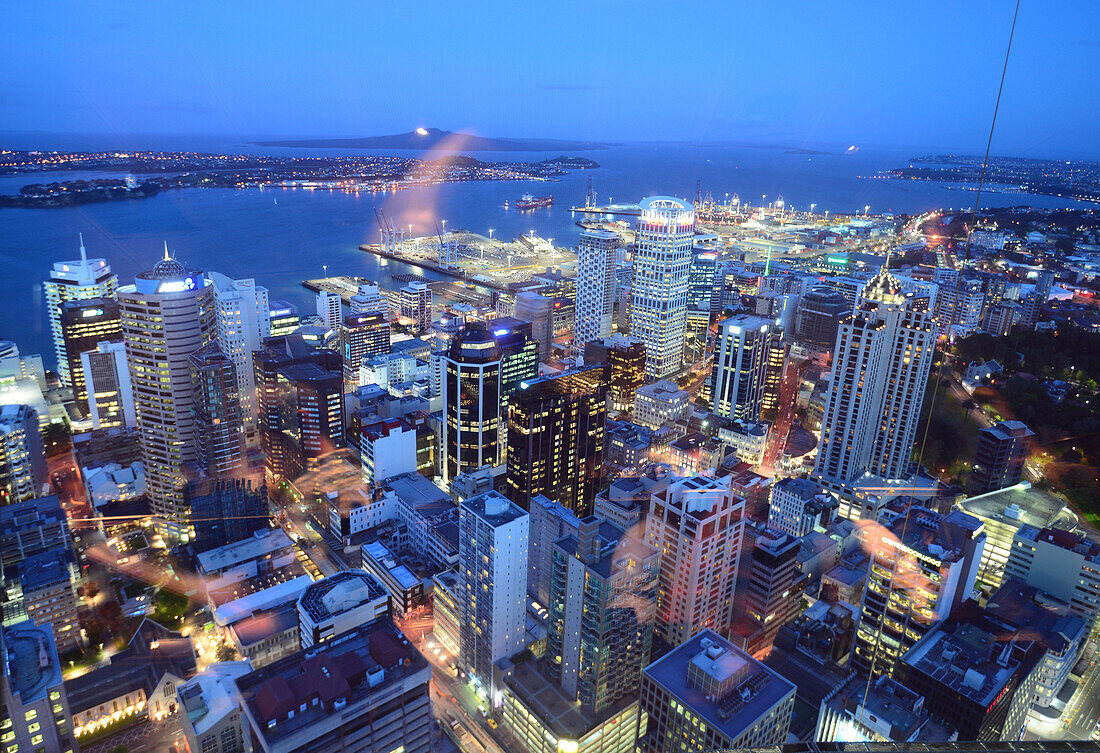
(884, 288)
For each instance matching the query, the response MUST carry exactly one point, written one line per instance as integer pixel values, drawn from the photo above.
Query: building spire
(83, 253)
(166, 256)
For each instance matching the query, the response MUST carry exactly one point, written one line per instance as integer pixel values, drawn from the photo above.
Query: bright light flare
(421, 131)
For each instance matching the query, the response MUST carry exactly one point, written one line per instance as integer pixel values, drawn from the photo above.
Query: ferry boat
(527, 201)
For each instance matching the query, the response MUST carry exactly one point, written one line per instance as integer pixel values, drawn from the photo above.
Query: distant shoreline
(433, 138)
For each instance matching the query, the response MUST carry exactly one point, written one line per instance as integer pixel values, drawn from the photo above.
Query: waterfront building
(36, 709)
(168, 313)
(108, 389)
(625, 359)
(363, 692)
(282, 319)
(85, 323)
(492, 562)
(330, 309)
(209, 711)
(243, 321)
(707, 694)
(741, 363)
(339, 604)
(664, 234)
(818, 316)
(416, 306)
(660, 404)
(1000, 456)
(697, 525)
(72, 281)
(218, 411)
(922, 569)
(556, 438)
(596, 252)
(22, 458)
(881, 361)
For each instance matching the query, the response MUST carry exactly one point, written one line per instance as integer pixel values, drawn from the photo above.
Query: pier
(626, 210)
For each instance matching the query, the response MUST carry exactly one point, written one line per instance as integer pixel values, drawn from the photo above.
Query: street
(777, 440)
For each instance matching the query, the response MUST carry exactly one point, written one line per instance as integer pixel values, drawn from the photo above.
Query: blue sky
(910, 74)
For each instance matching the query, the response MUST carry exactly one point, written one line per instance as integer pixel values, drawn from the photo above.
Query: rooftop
(551, 704)
(45, 570)
(888, 703)
(210, 695)
(340, 592)
(753, 695)
(1020, 504)
(942, 537)
(261, 543)
(30, 660)
(494, 508)
(261, 625)
(281, 593)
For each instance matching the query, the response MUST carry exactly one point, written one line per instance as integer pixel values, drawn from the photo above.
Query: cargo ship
(527, 201)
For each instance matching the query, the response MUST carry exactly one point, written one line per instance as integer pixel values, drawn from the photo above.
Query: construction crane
(590, 197)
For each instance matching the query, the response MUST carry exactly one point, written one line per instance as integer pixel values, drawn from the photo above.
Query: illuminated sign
(499, 332)
(282, 312)
(178, 286)
(89, 313)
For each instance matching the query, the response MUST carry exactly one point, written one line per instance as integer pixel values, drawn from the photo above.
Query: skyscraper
(218, 415)
(225, 509)
(329, 308)
(603, 598)
(766, 599)
(71, 281)
(819, 313)
(742, 358)
(881, 361)
(243, 321)
(492, 564)
(702, 304)
(555, 438)
(662, 255)
(283, 318)
(85, 323)
(22, 460)
(697, 526)
(539, 311)
(596, 251)
(416, 306)
(921, 570)
(110, 395)
(625, 358)
(167, 314)
(362, 335)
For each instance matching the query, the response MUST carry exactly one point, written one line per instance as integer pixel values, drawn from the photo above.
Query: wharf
(345, 286)
(627, 210)
(423, 263)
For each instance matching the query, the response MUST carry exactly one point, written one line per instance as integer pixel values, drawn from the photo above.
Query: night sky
(908, 74)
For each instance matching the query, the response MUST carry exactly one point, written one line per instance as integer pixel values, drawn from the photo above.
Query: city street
(164, 736)
(788, 392)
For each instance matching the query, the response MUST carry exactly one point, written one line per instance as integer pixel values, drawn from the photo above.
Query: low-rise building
(267, 636)
(210, 714)
(338, 604)
(748, 439)
(882, 711)
(660, 404)
(406, 590)
(36, 706)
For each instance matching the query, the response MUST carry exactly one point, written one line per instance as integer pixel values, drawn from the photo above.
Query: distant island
(435, 138)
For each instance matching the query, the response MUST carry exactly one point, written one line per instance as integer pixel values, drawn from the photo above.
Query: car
(492, 723)
(482, 710)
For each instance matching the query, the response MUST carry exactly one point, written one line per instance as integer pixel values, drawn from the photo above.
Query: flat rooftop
(259, 544)
(1020, 504)
(30, 662)
(494, 508)
(552, 705)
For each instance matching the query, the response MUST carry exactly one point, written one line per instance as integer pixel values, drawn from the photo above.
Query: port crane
(448, 250)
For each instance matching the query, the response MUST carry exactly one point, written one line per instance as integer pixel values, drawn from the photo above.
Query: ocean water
(244, 233)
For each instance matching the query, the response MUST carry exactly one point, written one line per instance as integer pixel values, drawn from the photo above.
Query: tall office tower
(881, 361)
(36, 714)
(774, 369)
(707, 694)
(1000, 456)
(109, 394)
(595, 286)
(492, 563)
(85, 323)
(330, 309)
(243, 321)
(301, 401)
(167, 314)
(538, 310)
(482, 369)
(766, 598)
(363, 335)
(921, 570)
(22, 459)
(416, 306)
(696, 524)
(662, 255)
(702, 303)
(603, 599)
(819, 314)
(625, 358)
(282, 318)
(73, 281)
(742, 357)
(555, 438)
(1064, 564)
(217, 410)
(798, 506)
(226, 510)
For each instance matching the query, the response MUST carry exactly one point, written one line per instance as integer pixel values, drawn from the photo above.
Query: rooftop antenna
(166, 256)
(83, 253)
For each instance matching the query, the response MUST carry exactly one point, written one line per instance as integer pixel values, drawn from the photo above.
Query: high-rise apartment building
(243, 321)
(625, 358)
(766, 596)
(596, 254)
(603, 599)
(301, 401)
(922, 569)
(696, 525)
(492, 564)
(1000, 456)
(72, 281)
(330, 309)
(959, 303)
(22, 459)
(741, 365)
(664, 235)
(36, 713)
(168, 313)
(85, 323)
(881, 361)
(555, 438)
(108, 389)
(416, 306)
(482, 369)
(218, 412)
(362, 335)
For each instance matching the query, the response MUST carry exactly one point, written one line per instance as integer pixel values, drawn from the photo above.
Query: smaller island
(435, 138)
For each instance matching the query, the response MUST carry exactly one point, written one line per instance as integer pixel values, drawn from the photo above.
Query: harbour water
(246, 233)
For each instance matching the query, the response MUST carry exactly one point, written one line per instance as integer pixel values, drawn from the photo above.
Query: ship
(527, 201)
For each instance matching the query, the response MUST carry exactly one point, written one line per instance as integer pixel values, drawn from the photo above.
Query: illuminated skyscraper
(625, 358)
(72, 281)
(362, 335)
(662, 255)
(416, 306)
(744, 352)
(22, 460)
(595, 286)
(703, 301)
(107, 384)
(881, 361)
(84, 325)
(167, 314)
(219, 423)
(244, 320)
